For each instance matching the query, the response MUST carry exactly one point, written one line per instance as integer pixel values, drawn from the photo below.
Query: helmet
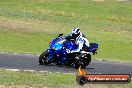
(75, 32)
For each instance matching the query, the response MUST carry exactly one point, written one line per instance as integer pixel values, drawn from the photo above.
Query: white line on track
(12, 69)
(27, 54)
(57, 72)
(17, 70)
(29, 70)
(15, 53)
(43, 71)
(2, 52)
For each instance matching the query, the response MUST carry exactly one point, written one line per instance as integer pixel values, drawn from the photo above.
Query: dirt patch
(99, 0)
(5, 86)
(121, 0)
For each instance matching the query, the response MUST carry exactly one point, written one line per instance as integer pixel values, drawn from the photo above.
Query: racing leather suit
(82, 45)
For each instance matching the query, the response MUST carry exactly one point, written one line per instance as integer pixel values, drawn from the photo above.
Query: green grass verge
(54, 80)
(29, 25)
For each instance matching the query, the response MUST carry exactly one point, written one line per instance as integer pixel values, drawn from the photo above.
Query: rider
(80, 41)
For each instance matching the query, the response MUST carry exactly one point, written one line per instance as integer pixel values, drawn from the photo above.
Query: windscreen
(61, 40)
(57, 42)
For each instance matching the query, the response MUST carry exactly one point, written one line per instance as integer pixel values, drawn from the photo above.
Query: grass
(9, 78)
(54, 80)
(27, 26)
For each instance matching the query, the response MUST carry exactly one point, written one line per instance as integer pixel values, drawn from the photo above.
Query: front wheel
(43, 58)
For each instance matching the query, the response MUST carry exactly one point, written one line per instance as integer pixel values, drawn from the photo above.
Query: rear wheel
(83, 62)
(87, 59)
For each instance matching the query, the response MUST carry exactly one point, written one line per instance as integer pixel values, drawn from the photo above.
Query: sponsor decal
(83, 78)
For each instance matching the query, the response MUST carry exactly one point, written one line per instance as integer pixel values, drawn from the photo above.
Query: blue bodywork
(58, 48)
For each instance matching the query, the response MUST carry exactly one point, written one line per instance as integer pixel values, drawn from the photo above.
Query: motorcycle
(57, 53)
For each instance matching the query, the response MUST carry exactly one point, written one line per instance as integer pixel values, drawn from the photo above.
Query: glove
(68, 51)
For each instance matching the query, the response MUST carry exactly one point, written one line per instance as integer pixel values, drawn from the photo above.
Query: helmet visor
(75, 35)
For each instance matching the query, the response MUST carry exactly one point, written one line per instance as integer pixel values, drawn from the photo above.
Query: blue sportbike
(57, 53)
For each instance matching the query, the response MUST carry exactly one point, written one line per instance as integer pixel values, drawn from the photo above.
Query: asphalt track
(30, 62)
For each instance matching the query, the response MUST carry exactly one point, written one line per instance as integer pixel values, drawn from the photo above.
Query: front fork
(55, 55)
(51, 54)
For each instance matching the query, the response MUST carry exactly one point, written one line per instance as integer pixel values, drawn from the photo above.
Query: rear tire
(76, 66)
(83, 62)
(87, 61)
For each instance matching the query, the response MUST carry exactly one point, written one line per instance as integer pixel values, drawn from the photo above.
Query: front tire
(43, 58)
